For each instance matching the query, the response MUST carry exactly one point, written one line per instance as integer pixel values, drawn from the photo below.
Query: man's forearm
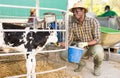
(93, 42)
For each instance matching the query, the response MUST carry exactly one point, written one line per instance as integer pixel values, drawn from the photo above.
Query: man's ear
(84, 10)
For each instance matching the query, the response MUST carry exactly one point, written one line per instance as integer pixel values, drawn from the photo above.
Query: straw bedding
(11, 68)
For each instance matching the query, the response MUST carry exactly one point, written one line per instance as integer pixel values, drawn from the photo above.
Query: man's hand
(82, 44)
(62, 44)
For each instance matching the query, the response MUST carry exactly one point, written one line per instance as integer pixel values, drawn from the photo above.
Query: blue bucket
(75, 54)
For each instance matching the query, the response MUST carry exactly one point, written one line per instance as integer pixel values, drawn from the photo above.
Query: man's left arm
(95, 32)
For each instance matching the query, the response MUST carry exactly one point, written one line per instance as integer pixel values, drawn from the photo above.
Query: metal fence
(22, 21)
(113, 22)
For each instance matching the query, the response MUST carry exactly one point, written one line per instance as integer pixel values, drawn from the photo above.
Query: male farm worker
(86, 32)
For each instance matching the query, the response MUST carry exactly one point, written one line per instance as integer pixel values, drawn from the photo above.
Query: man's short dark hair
(107, 7)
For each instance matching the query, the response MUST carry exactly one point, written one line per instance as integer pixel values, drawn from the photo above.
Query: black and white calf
(26, 41)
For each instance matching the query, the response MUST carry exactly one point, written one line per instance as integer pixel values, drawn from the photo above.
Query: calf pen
(21, 53)
(61, 30)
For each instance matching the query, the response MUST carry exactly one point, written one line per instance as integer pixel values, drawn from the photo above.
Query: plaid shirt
(88, 31)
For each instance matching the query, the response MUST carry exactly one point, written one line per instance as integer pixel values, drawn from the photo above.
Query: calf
(26, 41)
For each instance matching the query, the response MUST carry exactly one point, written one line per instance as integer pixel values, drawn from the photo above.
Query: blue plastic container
(75, 54)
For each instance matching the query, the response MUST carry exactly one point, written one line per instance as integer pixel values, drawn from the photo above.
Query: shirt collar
(76, 21)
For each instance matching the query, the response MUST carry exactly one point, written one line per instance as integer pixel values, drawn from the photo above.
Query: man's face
(78, 12)
(106, 9)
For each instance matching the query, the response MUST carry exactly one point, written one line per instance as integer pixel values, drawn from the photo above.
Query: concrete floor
(110, 69)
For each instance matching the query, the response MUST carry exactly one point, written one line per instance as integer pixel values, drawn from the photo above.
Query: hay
(12, 68)
(15, 65)
(18, 67)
